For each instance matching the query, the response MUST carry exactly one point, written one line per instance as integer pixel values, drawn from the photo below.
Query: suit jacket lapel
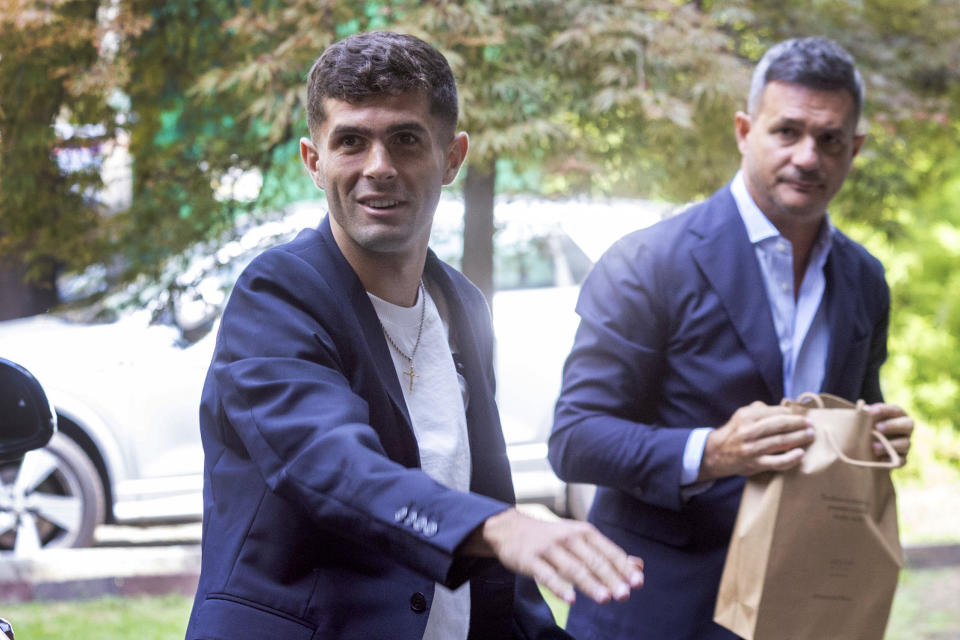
(462, 330)
(369, 323)
(728, 262)
(491, 469)
(848, 326)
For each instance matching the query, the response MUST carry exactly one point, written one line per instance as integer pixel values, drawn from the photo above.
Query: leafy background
(561, 97)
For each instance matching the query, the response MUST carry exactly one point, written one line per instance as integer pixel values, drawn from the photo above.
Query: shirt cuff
(692, 456)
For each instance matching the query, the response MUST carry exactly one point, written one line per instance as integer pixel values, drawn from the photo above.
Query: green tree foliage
(186, 148)
(94, 69)
(273, 44)
(902, 201)
(625, 97)
(573, 89)
(501, 57)
(48, 69)
(497, 50)
(651, 85)
(537, 78)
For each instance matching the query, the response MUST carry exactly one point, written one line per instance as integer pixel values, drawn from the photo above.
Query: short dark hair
(815, 63)
(377, 63)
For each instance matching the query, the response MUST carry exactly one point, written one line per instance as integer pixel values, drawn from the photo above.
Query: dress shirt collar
(759, 227)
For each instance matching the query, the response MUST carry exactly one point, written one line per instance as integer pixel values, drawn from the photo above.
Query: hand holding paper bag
(895, 424)
(757, 438)
(815, 551)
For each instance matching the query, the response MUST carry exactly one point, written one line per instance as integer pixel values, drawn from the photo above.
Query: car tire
(52, 498)
(579, 499)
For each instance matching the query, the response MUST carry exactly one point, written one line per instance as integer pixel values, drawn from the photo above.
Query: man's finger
(779, 424)
(546, 576)
(576, 571)
(604, 570)
(782, 442)
(899, 426)
(779, 461)
(900, 445)
(636, 579)
(629, 567)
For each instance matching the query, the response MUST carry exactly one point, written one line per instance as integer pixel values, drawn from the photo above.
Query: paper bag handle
(893, 463)
(817, 400)
(808, 396)
(895, 460)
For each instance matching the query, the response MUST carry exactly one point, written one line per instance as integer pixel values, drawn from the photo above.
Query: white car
(126, 393)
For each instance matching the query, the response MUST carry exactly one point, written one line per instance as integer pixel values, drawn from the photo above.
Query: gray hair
(815, 63)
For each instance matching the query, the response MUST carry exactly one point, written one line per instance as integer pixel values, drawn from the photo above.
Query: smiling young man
(692, 331)
(356, 478)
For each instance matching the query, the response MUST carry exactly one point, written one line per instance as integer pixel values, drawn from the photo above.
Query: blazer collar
(728, 262)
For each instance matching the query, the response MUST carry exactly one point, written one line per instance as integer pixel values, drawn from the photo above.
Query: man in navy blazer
(356, 482)
(692, 331)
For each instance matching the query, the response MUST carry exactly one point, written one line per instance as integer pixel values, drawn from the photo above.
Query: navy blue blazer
(318, 522)
(676, 333)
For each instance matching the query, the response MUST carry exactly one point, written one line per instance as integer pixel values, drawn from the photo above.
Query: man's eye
(407, 139)
(831, 142)
(350, 141)
(786, 132)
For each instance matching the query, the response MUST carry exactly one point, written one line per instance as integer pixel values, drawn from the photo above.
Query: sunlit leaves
(46, 215)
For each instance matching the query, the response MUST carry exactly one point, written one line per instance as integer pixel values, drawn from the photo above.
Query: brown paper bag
(815, 551)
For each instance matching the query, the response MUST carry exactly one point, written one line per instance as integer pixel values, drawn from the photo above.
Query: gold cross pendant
(410, 374)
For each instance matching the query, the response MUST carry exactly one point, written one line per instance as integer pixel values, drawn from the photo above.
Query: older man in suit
(693, 331)
(356, 483)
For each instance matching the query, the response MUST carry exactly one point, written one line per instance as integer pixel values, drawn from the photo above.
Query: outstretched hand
(560, 555)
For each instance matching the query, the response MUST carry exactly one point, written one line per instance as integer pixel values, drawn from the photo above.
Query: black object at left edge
(26, 419)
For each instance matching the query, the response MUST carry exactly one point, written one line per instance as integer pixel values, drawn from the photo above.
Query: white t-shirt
(436, 406)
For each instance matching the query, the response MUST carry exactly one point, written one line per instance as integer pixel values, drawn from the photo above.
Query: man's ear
(311, 160)
(456, 154)
(741, 126)
(858, 142)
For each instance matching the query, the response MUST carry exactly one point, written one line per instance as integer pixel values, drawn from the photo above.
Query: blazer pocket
(226, 617)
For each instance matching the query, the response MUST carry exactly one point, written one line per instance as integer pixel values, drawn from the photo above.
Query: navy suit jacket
(676, 333)
(318, 522)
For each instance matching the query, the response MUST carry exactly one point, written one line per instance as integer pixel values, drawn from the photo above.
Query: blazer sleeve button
(418, 602)
(419, 524)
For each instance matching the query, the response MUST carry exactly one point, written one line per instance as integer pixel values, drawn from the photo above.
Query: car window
(548, 260)
(531, 249)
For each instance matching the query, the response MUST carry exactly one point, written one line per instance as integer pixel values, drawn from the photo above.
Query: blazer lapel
(728, 262)
(369, 323)
(848, 326)
(463, 332)
(491, 468)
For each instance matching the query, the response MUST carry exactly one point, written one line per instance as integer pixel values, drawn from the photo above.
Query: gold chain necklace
(423, 308)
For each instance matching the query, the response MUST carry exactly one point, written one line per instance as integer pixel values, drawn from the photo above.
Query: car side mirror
(194, 316)
(26, 419)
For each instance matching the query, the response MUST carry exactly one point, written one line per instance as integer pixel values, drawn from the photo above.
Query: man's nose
(379, 164)
(806, 154)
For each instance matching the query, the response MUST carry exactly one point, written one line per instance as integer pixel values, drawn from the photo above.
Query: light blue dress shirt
(800, 318)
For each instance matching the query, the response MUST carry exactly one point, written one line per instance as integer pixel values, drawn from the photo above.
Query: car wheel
(51, 498)
(579, 499)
